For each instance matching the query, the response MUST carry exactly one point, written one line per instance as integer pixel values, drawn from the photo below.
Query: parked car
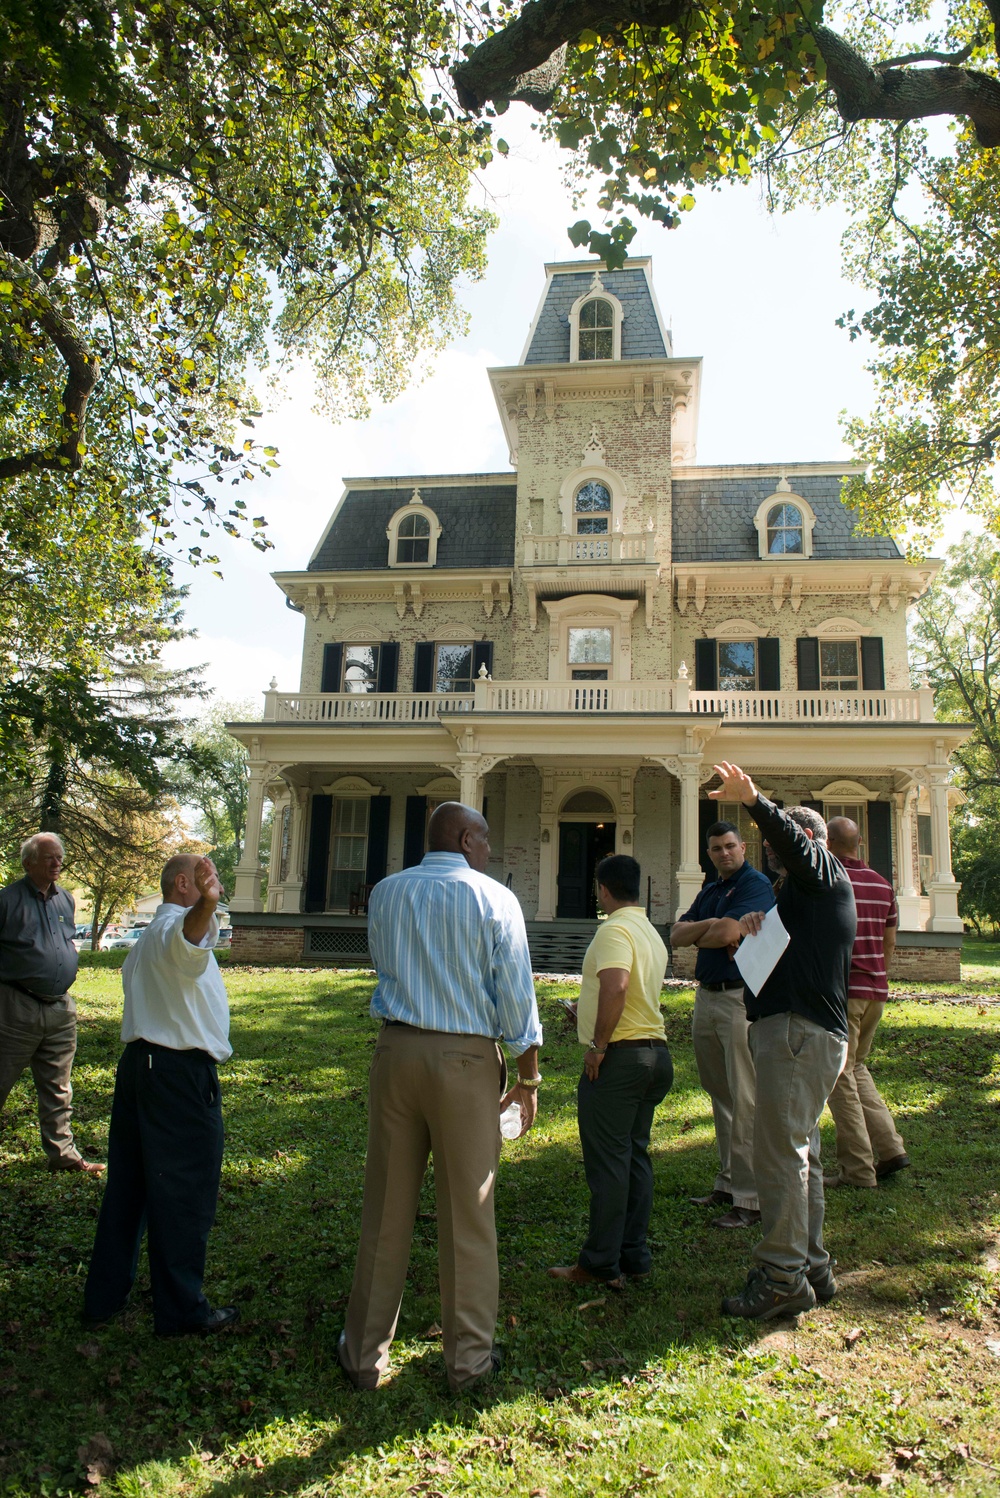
(225, 937)
(122, 939)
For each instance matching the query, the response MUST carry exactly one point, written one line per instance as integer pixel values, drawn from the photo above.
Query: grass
(895, 1386)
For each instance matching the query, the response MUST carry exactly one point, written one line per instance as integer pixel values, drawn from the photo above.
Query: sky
(757, 296)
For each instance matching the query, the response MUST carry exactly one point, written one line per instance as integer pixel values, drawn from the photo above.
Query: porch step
(559, 946)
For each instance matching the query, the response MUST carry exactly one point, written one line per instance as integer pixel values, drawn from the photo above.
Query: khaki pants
(429, 1093)
(865, 1128)
(42, 1036)
(797, 1064)
(725, 1069)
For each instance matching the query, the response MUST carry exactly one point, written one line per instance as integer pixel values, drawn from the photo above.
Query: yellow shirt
(626, 940)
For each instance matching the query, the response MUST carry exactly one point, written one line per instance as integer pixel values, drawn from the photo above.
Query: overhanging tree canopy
(660, 97)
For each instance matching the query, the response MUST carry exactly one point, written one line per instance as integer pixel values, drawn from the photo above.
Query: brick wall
(267, 946)
(910, 965)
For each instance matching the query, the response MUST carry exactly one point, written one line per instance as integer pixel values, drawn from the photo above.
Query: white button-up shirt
(174, 993)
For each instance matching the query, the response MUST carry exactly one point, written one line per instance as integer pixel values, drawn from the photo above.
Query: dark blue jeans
(164, 1162)
(615, 1115)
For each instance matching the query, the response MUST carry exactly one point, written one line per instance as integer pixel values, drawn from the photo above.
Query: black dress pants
(164, 1163)
(615, 1115)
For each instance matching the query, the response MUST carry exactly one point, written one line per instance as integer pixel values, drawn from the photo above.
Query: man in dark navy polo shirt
(38, 964)
(719, 1028)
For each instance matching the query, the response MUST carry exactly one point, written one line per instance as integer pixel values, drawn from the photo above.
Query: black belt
(720, 987)
(633, 1043)
(38, 997)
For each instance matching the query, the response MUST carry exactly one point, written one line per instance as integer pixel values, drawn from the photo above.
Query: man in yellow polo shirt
(627, 1070)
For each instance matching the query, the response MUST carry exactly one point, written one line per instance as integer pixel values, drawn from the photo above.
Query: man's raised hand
(736, 785)
(207, 882)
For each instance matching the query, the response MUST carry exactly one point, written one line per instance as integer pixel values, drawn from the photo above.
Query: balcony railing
(562, 551)
(518, 697)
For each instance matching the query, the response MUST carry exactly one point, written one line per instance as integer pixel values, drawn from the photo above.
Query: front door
(582, 845)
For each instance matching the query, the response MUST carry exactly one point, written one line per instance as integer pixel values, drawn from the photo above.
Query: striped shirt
(876, 911)
(451, 953)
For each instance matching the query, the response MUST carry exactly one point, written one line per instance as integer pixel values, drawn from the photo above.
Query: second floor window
(592, 510)
(589, 654)
(360, 670)
(737, 665)
(453, 668)
(838, 665)
(597, 324)
(413, 540)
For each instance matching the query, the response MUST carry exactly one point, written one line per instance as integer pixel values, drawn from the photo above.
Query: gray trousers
(797, 1064)
(42, 1037)
(725, 1069)
(865, 1127)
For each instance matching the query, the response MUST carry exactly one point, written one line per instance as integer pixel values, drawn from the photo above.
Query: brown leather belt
(632, 1043)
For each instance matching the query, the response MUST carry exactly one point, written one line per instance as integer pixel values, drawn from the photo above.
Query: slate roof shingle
(477, 527)
(713, 519)
(641, 334)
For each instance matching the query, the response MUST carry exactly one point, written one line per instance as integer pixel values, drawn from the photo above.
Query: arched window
(413, 535)
(784, 530)
(592, 510)
(597, 324)
(413, 539)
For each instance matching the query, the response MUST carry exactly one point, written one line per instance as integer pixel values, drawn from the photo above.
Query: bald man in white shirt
(166, 1136)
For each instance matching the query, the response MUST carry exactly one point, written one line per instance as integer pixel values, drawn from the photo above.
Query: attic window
(784, 522)
(413, 536)
(597, 329)
(784, 530)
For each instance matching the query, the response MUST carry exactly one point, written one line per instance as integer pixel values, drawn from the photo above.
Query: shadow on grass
(283, 1246)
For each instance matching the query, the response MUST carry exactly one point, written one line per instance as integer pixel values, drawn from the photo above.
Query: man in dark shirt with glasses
(38, 963)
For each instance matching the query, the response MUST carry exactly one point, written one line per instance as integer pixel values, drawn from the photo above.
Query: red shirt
(876, 911)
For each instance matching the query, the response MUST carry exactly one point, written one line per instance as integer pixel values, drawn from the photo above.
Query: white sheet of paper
(757, 956)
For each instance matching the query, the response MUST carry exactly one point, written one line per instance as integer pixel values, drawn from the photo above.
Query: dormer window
(413, 540)
(784, 522)
(592, 510)
(784, 530)
(413, 535)
(597, 329)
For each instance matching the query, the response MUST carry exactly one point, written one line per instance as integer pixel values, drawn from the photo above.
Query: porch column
(294, 881)
(246, 895)
(907, 891)
(470, 781)
(548, 842)
(275, 884)
(943, 889)
(690, 875)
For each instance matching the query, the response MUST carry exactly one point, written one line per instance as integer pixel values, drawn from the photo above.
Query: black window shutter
(423, 669)
(319, 850)
(769, 665)
(807, 663)
(378, 838)
(708, 812)
(872, 667)
(486, 802)
(706, 666)
(413, 831)
(333, 656)
(388, 668)
(880, 838)
(482, 655)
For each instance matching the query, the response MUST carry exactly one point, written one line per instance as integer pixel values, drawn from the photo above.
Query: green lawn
(894, 1386)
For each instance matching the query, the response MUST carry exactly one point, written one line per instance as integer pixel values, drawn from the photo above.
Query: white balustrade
(810, 707)
(370, 707)
(552, 551)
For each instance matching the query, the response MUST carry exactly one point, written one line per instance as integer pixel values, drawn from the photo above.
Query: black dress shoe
(713, 1199)
(889, 1167)
(94, 1323)
(217, 1318)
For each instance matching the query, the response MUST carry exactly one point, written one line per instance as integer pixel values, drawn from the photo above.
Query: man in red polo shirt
(869, 1146)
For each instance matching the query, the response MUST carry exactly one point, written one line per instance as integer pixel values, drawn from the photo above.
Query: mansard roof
(713, 513)
(643, 333)
(476, 515)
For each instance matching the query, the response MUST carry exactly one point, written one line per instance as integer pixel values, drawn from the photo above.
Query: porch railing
(555, 551)
(364, 707)
(811, 707)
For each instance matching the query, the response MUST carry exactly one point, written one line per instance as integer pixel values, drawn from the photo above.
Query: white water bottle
(511, 1121)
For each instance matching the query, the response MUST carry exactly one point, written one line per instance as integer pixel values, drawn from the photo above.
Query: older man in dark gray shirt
(38, 965)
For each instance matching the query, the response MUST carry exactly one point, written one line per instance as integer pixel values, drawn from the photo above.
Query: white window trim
(739, 629)
(839, 628)
(844, 790)
(392, 532)
(595, 292)
(590, 611)
(594, 474)
(784, 496)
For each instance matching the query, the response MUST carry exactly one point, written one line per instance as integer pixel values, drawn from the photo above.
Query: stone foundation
(267, 946)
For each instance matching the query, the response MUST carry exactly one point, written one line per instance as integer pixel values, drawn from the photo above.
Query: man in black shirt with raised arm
(798, 1039)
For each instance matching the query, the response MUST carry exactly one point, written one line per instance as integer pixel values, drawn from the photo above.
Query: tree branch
(83, 371)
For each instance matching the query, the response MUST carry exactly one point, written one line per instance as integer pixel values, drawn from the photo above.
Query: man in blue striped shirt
(454, 978)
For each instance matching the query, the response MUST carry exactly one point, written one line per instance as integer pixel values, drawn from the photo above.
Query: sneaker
(823, 1283)
(762, 1299)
